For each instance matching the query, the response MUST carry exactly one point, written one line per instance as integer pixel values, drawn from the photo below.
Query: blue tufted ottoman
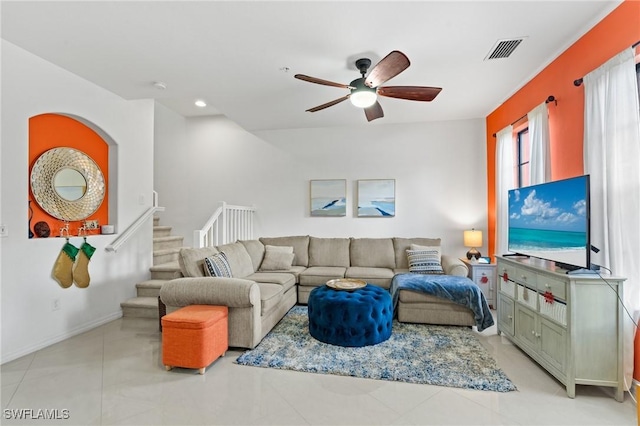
(360, 317)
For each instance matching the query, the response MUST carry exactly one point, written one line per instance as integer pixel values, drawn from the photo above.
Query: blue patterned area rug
(415, 353)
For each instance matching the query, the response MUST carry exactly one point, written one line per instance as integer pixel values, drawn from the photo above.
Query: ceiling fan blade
(328, 104)
(412, 93)
(321, 81)
(373, 112)
(390, 66)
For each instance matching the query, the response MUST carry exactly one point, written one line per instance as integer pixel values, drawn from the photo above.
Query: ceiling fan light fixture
(363, 98)
(362, 95)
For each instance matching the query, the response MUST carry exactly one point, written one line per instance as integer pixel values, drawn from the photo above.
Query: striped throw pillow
(217, 266)
(426, 261)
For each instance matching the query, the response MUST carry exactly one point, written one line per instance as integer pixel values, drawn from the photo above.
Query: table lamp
(473, 239)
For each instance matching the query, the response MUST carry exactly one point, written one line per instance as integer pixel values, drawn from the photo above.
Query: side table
(484, 275)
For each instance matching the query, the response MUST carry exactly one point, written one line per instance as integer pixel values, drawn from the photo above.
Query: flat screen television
(551, 221)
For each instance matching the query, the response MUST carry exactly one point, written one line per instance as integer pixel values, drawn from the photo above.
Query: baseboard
(59, 338)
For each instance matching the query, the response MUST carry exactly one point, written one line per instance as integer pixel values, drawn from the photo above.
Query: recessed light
(200, 103)
(159, 85)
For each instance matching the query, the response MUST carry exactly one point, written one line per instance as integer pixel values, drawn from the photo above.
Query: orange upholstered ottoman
(194, 336)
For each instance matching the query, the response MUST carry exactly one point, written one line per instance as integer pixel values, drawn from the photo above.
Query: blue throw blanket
(460, 290)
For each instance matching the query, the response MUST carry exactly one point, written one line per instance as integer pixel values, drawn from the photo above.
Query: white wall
(32, 86)
(439, 170)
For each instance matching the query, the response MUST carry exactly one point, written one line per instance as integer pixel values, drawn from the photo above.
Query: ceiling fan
(365, 91)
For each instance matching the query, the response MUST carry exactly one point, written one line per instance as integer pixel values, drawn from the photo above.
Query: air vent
(504, 48)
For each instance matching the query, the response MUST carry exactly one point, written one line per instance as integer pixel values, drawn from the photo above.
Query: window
(521, 152)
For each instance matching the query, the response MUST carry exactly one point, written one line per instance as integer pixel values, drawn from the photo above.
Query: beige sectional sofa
(262, 290)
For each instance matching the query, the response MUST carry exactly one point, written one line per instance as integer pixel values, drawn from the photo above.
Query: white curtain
(504, 182)
(539, 162)
(612, 158)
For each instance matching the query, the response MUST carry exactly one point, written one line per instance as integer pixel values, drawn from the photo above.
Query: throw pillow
(217, 266)
(277, 258)
(428, 248)
(284, 249)
(425, 261)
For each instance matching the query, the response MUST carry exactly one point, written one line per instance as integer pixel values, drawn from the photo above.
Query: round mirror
(69, 184)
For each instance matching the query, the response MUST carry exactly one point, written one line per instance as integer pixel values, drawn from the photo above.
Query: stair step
(140, 307)
(149, 288)
(165, 267)
(172, 241)
(161, 231)
(166, 271)
(165, 256)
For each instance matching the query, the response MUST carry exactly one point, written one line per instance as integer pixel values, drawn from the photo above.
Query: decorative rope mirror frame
(43, 173)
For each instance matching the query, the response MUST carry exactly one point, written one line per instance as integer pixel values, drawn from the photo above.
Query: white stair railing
(133, 228)
(227, 224)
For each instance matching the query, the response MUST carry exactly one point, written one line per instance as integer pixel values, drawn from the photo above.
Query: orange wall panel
(47, 131)
(617, 31)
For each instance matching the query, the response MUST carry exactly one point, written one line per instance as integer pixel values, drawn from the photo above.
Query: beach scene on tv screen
(550, 221)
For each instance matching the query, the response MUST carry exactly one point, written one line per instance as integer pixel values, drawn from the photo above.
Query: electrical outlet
(55, 304)
(4, 231)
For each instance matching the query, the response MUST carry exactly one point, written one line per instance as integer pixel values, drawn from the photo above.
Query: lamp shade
(473, 238)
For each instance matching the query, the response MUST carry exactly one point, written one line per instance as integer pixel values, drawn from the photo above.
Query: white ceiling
(241, 56)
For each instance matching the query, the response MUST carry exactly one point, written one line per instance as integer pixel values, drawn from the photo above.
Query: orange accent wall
(47, 131)
(617, 31)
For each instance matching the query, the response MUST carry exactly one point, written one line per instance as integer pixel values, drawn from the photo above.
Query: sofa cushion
(277, 258)
(300, 246)
(284, 279)
(363, 272)
(256, 251)
(270, 296)
(329, 252)
(294, 270)
(425, 261)
(372, 252)
(238, 258)
(217, 265)
(318, 275)
(380, 277)
(191, 260)
(401, 245)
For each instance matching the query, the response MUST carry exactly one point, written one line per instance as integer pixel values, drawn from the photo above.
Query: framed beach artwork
(328, 197)
(377, 198)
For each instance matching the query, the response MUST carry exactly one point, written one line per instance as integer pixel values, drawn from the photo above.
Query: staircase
(165, 267)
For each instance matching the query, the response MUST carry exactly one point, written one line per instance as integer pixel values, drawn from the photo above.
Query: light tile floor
(113, 375)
